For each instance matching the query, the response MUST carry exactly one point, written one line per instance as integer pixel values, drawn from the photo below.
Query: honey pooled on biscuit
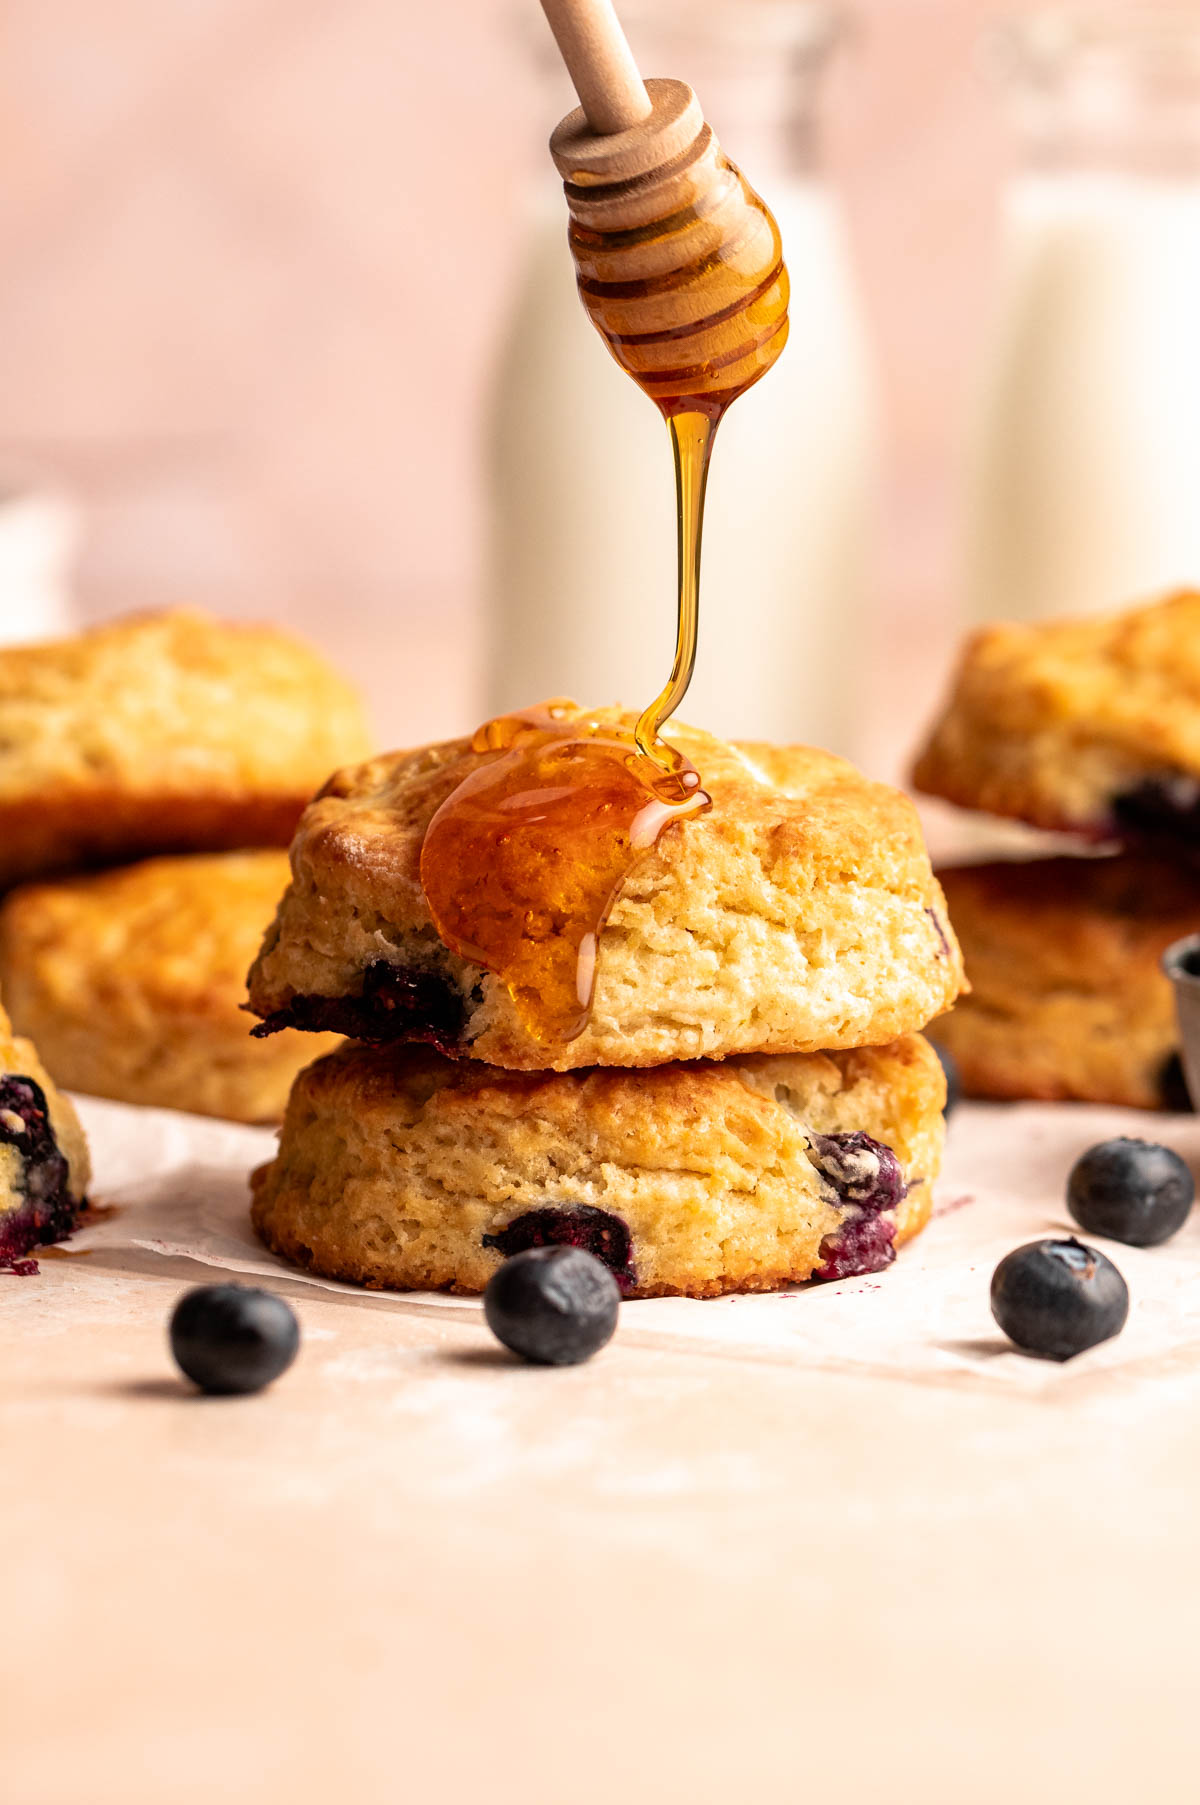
(681, 271)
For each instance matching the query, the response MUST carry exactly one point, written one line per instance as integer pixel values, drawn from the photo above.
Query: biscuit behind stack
(1090, 727)
(163, 733)
(748, 1105)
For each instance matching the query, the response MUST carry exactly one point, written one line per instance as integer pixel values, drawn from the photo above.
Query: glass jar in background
(1085, 468)
(582, 550)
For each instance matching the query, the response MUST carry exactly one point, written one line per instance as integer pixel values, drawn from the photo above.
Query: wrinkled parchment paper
(179, 1184)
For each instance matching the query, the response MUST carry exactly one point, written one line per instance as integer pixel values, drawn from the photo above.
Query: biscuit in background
(132, 983)
(164, 732)
(1083, 726)
(1068, 1001)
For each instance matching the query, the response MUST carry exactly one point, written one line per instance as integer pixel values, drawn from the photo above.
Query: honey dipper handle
(600, 63)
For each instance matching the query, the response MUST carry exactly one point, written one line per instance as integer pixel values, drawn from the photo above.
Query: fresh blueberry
(553, 1305)
(233, 1339)
(1131, 1191)
(954, 1089)
(1057, 1298)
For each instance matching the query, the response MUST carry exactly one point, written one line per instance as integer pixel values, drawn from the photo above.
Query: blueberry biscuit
(1067, 998)
(163, 733)
(132, 983)
(44, 1169)
(398, 1167)
(1085, 726)
(799, 914)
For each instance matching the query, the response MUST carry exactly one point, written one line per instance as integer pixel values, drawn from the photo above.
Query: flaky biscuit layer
(132, 983)
(395, 1164)
(799, 914)
(1068, 1000)
(1055, 723)
(162, 733)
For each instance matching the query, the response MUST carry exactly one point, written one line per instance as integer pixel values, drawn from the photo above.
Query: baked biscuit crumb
(132, 983)
(1068, 1001)
(799, 914)
(400, 1168)
(163, 732)
(1082, 726)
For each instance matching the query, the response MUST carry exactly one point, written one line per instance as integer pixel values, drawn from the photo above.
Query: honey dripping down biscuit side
(680, 269)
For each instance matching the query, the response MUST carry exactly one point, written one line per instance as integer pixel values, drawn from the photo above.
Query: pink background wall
(255, 255)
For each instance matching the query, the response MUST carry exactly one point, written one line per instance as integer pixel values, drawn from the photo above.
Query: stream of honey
(523, 861)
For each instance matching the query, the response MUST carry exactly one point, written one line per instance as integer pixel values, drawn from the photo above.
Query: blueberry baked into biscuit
(44, 1169)
(1083, 726)
(799, 915)
(398, 1167)
(160, 733)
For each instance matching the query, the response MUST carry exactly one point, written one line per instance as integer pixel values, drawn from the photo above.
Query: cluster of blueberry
(555, 1306)
(1058, 1297)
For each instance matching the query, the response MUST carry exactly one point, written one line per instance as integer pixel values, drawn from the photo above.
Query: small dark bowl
(1181, 962)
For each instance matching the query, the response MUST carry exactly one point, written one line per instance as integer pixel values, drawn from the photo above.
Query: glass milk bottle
(582, 568)
(1085, 476)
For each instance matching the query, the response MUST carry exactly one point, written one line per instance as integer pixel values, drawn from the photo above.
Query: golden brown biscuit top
(174, 697)
(799, 814)
(179, 932)
(1129, 681)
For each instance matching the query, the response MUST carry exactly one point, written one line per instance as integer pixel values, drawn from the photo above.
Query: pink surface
(841, 1545)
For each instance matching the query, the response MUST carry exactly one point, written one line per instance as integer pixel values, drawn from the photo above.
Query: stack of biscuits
(191, 746)
(749, 1105)
(1089, 728)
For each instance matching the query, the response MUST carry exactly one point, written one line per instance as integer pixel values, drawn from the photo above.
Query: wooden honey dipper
(679, 262)
(680, 269)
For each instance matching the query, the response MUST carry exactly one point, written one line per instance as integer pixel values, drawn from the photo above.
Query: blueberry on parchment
(555, 1306)
(1057, 1298)
(1131, 1191)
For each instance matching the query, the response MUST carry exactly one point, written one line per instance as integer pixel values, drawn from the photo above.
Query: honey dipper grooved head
(678, 260)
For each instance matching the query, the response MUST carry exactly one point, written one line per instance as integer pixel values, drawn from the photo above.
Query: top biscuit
(1083, 726)
(800, 914)
(170, 732)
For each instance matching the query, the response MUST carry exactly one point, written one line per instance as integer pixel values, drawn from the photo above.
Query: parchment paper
(179, 1184)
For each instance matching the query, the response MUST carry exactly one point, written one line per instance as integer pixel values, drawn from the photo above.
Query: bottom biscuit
(398, 1168)
(1068, 1002)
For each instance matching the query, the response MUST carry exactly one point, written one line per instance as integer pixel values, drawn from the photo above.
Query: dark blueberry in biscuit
(865, 1245)
(397, 1003)
(45, 1211)
(1164, 807)
(1057, 1298)
(868, 1180)
(233, 1339)
(861, 1170)
(1131, 1191)
(1173, 1086)
(553, 1305)
(598, 1232)
(953, 1079)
